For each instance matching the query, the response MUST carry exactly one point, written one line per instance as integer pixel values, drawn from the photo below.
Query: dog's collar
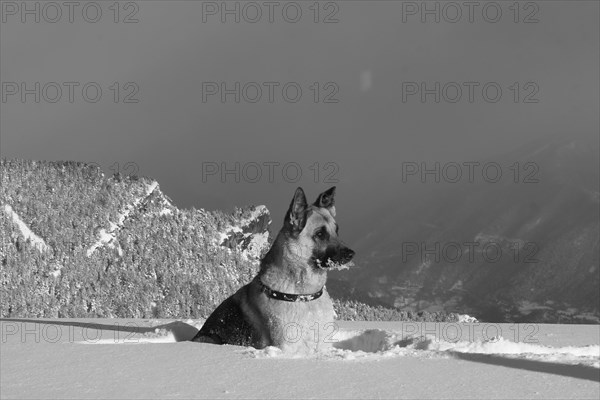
(287, 296)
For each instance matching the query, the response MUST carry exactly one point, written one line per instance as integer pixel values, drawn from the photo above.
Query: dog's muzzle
(336, 255)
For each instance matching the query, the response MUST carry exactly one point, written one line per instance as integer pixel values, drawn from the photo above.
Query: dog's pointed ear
(296, 214)
(327, 200)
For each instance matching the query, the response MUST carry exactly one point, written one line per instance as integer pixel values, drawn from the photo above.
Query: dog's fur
(296, 264)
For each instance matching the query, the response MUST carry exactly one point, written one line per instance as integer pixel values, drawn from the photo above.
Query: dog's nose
(348, 253)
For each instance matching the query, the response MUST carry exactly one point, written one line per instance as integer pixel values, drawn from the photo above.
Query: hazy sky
(372, 57)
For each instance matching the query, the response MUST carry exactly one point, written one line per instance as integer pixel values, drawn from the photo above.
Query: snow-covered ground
(113, 358)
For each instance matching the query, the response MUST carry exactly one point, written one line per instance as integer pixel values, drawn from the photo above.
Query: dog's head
(313, 233)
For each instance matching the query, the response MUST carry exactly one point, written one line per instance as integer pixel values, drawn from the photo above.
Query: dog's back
(228, 324)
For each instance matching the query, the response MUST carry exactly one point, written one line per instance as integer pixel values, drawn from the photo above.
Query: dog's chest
(302, 325)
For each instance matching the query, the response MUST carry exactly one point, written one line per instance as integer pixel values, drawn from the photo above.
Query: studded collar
(287, 296)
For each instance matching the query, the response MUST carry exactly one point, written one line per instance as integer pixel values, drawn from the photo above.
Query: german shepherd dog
(286, 305)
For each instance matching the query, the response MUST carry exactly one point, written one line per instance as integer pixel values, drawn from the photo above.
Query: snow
(458, 285)
(117, 358)
(258, 241)
(109, 237)
(255, 214)
(334, 265)
(525, 306)
(35, 240)
(104, 238)
(466, 318)
(424, 266)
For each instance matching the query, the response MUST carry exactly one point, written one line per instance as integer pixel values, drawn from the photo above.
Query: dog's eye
(322, 234)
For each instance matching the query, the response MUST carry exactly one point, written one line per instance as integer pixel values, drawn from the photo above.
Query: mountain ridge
(116, 233)
(550, 226)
